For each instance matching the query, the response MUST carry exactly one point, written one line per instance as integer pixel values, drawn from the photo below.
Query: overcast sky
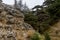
(30, 3)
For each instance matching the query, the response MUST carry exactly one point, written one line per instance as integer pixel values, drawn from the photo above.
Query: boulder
(12, 25)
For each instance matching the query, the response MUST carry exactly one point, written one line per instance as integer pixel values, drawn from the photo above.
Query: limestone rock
(12, 25)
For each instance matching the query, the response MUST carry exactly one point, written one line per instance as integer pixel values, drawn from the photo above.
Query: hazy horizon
(30, 3)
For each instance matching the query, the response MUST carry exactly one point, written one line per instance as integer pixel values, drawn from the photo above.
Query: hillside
(12, 25)
(54, 31)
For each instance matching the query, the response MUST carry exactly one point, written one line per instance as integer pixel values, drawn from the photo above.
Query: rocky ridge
(12, 25)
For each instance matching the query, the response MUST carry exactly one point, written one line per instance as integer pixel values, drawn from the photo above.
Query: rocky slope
(12, 25)
(54, 31)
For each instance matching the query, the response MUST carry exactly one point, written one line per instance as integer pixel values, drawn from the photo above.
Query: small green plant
(47, 37)
(35, 37)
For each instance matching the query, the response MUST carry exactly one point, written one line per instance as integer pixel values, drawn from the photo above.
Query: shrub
(47, 37)
(35, 36)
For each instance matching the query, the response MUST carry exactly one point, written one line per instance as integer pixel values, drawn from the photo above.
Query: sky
(30, 3)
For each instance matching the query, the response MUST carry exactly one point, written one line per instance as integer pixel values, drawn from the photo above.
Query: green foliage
(45, 17)
(48, 2)
(39, 22)
(37, 7)
(35, 36)
(47, 37)
(32, 19)
(54, 8)
(54, 11)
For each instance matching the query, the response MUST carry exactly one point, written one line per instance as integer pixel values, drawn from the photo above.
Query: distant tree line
(20, 6)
